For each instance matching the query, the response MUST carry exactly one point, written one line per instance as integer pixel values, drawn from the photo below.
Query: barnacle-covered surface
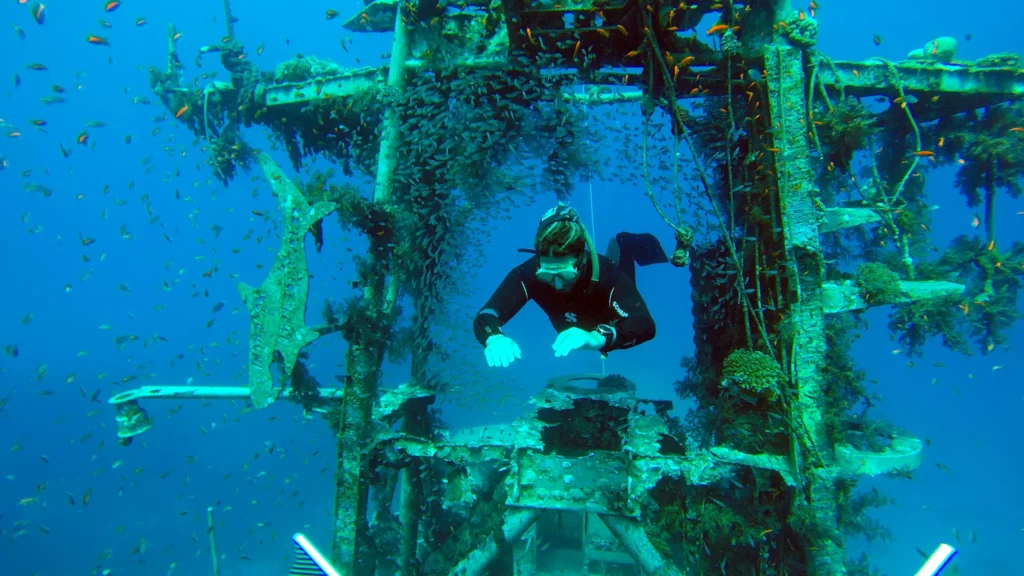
(795, 186)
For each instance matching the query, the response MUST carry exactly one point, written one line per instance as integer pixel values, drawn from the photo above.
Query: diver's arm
(506, 302)
(633, 324)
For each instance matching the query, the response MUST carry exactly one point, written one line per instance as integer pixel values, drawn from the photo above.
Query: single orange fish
(924, 153)
(111, 5)
(180, 112)
(97, 40)
(1017, 129)
(686, 61)
(717, 28)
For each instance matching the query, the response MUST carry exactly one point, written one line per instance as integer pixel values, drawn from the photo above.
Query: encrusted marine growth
(845, 129)
(801, 29)
(277, 308)
(877, 283)
(305, 68)
(939, 50)
(754, 372)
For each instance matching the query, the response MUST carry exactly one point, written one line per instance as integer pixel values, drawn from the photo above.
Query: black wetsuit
(614, 301)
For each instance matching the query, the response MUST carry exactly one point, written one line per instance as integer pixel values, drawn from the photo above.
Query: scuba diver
(591, 300)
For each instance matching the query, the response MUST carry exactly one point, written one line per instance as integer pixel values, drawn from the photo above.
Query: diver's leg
(628, 250)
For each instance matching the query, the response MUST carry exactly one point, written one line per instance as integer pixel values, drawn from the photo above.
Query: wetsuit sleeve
(506, 302)
(633, 324)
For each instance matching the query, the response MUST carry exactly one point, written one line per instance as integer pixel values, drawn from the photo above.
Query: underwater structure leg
(367, 345)
(516, 523)
(213, 541)
(633, 538)
(788, 105)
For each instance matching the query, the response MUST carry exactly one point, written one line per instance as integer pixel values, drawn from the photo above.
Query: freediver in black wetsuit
(591, 307)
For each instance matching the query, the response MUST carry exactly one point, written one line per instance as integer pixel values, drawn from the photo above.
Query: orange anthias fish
(97, 40)
(111, 5)
(924, 153)
(181, 112)
(717, 28)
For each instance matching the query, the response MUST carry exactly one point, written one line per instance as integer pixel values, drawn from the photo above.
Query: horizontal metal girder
(846, 296)
(873, 78)
(391, 399)
(351, 82)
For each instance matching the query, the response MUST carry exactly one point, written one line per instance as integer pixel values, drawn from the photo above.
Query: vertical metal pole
(585, 541)
(213, 541)
(788, 104)
(171, 64)
(229, 20)
(364, 357)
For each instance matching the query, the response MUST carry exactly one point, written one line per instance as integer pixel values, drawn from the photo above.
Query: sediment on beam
(846, 296)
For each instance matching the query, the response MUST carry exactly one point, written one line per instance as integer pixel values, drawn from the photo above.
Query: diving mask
(558, 271)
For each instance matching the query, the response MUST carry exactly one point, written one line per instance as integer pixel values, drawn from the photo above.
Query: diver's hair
(561, 238)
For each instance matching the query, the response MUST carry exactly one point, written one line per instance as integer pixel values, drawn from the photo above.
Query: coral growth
(878, 284)
(801, 29)
(753, 372)
(305, 68)
(844, 129)
(990, 153)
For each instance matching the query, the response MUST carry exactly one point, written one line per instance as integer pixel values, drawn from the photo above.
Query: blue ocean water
(63, 301)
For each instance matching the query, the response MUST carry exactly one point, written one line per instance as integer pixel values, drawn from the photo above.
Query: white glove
(575, 339)
(501, 351)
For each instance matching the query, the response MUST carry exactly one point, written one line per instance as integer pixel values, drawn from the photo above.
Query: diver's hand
(501, 351)
(576, 339)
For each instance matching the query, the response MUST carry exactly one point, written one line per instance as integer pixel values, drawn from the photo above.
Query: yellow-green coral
(877, 283)
(754, 372)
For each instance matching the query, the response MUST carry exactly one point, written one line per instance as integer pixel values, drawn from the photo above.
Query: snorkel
(563, 212)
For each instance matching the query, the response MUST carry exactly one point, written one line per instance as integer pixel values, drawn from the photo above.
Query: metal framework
(600, 43)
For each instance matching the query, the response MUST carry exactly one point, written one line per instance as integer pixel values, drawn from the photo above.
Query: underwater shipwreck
(797, 201)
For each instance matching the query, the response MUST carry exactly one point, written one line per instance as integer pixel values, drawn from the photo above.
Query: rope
(590, 192)
(206, 116)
